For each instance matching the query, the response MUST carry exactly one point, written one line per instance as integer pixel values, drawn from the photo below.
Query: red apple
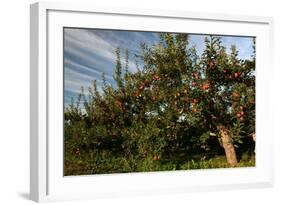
(235, 94)
(205, 86)
(138, 93)
(237, 74)
(156, 77)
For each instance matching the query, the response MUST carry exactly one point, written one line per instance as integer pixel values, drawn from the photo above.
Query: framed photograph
(127, 102)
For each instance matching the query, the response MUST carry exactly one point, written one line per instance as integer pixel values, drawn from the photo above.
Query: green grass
(122, 165)
(216, 162)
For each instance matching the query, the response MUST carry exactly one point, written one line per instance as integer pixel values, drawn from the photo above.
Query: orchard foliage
(169, 115)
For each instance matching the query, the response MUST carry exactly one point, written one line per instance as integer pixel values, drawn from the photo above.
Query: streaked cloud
(90, 52)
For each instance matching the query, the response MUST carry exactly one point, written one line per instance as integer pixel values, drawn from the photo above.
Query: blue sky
(89, 52)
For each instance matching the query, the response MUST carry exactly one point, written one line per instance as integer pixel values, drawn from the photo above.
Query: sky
(90, 52)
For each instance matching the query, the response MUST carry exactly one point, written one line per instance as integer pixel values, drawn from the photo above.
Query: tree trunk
(228, 146)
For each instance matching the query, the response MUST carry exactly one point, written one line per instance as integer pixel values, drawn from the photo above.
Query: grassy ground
(121, 165)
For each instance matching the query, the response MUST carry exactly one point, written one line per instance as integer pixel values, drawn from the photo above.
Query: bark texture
(228, 147)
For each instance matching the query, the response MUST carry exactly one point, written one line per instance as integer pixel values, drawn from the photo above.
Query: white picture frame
(47, 182)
